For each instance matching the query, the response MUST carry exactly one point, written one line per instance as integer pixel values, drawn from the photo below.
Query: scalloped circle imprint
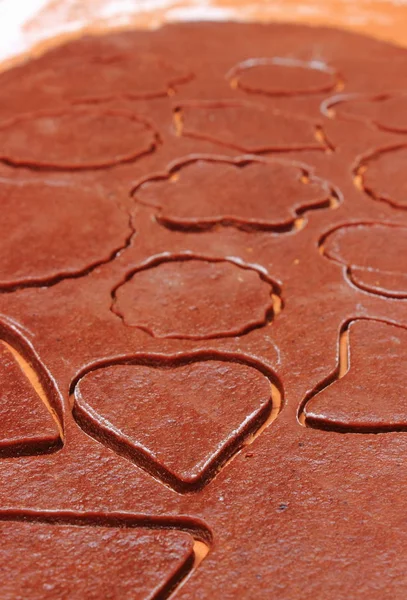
(385, 111)
(251, 195)
(383, 175)
(260, 129)
(373, 255)
(279, 76)
(191, 297)
(52, 231)
(76, 138)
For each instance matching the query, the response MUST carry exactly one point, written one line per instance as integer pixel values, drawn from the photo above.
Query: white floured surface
(12, 18)
(24, 24)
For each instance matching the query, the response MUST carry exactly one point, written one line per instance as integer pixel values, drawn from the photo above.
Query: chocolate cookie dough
(260, 130)
(376, 406)
(203, 318)
(57, 229)
(26, 424)
(75, 139)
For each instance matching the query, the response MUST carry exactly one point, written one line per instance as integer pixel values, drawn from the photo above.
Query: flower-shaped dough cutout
(385, 111)
(247, 194)
(76, 138)
(381, 175)
(192, 297)
(368, 391)
(52, 231)
(279, 76)
(374, 255)
(260, 129)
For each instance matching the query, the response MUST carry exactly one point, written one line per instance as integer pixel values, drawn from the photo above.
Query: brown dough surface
(220, 337)
(75, 139)
(89, 561)
(375, 406)
(382, 176)
(218, 403)
(227, 300)
(253, 195)
(124, 74)
(371, 253)
(283, 77)
(386, 111)
(40, 221)
(259, 130)
(26, 426)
